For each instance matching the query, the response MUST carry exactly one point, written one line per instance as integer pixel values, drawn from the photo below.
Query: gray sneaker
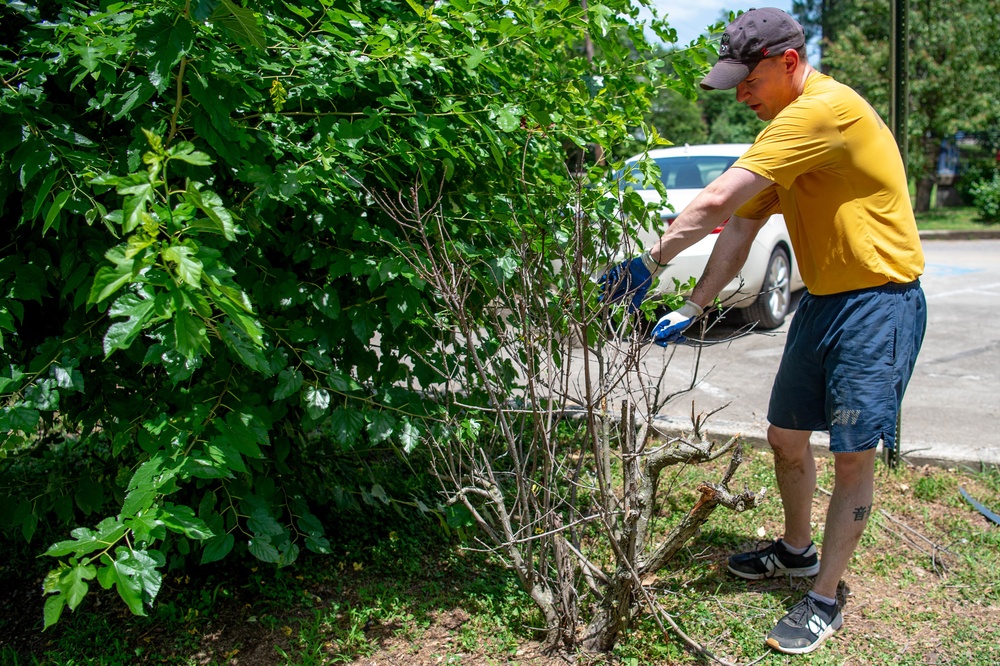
(805, 627)
(774, 560)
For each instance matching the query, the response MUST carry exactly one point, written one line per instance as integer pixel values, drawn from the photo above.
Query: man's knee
(788, 444)
(853, 468)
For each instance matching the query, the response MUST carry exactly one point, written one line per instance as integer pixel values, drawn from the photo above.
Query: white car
(761, 293)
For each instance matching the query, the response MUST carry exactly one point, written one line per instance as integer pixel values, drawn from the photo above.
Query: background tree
(953, 76)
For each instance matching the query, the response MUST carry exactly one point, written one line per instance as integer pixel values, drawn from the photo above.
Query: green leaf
(145, 484)
(244, 433)
(416, 7)
(189, 267)
(346, 424)
(262, 523)
(220, 220)
(53, 610)
(67, 378)
(85, 541)
(509, 118)
(261, 548)
(289, 553)
(108, 280)
(380, 426)
(318, 544)
(121, 334)
(225, 455)
(55, 208)
(241, 24)
(190, 332)
(43, 192)
(202, 9)
(20, 418)
(143, 565)
(378, 492)
(134, 575)
(317, 401)
(135, 205)
(181, 519)
(409, 437)
(147, 527)
(167, 40)
(73, 585)
(185, 152)
(249, 353)
(217, 548)
(128, 589)
(289, 383)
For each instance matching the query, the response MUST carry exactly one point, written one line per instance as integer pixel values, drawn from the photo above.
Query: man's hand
(632, 277)
(671, 326)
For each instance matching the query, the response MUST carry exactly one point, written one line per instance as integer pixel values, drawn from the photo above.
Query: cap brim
(725, 75)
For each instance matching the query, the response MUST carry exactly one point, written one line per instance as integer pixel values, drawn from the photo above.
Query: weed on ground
(923, 588)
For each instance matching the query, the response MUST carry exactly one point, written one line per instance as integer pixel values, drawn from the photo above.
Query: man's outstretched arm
(728, 257)
(730, 251)
(713, 206)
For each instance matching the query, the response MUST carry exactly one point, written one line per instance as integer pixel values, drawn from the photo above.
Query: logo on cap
(724, 48)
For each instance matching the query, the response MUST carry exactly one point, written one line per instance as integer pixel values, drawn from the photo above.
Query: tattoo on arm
(862, 513)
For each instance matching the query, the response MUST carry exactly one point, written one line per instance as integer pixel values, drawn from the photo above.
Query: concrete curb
(916, 453)
(950, 234)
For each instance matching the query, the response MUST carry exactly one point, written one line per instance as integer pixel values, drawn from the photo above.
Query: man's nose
(741, 92)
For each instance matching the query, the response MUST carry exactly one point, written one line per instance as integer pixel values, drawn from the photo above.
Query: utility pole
(899, 38)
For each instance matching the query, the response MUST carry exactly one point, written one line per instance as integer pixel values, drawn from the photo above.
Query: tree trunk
(924, 188)
(928, 175)
(612, 615)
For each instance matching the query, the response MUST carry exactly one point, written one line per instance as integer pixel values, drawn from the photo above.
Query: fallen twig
(934, 547)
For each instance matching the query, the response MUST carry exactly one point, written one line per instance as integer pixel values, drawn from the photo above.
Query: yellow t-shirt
(841, 186)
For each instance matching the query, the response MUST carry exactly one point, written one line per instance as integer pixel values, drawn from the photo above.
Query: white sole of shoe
(794, 573)
(830, 630)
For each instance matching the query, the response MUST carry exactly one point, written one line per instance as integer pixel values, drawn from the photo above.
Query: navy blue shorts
(846, 364)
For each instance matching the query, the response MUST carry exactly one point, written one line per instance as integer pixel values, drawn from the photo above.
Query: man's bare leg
(846, 517)
(795, 470)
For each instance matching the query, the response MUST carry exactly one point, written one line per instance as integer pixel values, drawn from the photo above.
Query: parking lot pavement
(951, 410)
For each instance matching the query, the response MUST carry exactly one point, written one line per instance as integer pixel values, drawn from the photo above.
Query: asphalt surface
(951, 411)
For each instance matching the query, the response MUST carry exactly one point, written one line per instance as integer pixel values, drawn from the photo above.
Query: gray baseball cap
(753, 36)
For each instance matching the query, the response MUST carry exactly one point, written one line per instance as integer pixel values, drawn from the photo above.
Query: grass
(924, 587)
(964, 218)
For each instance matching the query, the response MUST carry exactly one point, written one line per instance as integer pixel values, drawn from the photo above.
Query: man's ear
(790, 59)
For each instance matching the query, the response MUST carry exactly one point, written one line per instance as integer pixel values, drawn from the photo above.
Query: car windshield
(687, 172)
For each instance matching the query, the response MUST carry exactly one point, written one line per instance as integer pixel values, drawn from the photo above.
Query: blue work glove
(671, 326)
(632, 277)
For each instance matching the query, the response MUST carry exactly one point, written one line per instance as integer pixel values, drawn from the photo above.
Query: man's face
(768, 89)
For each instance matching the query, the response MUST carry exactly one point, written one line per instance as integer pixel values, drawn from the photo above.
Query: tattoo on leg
(862, 513)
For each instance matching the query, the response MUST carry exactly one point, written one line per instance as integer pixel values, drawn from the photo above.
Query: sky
(689, 17)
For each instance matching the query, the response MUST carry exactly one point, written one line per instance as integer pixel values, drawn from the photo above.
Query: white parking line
(983, 288)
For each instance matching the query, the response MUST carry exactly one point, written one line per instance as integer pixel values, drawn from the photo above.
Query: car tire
(771, 306)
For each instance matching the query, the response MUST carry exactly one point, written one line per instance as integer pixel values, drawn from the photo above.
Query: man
(830, 165)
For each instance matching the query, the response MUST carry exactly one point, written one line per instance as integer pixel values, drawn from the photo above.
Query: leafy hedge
(205, 320)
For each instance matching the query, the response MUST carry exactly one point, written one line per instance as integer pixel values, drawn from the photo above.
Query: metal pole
(899, 38)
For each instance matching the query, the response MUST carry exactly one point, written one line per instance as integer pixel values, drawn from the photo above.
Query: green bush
(204, 311)
(986, 198)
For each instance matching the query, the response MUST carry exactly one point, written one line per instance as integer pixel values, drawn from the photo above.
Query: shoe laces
(801, 612)
(768, 547)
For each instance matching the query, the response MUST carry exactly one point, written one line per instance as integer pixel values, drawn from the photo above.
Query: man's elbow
(717, 202)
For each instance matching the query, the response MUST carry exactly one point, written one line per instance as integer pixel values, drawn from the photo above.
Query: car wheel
(771, 306)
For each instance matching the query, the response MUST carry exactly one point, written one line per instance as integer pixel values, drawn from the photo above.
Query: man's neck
(802, 76)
